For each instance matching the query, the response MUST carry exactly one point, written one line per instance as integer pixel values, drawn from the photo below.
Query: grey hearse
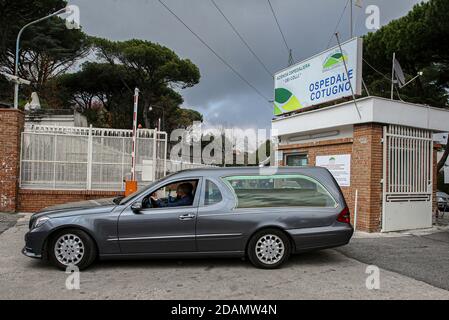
(264, 214)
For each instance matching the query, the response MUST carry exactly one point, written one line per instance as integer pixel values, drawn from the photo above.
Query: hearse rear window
(279, 191)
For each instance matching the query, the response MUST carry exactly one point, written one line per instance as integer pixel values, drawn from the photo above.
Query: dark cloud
(221, 96)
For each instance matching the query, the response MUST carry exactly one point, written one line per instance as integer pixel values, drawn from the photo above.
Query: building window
(296, 160)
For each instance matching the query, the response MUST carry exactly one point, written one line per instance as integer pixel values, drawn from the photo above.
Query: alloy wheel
(69, 249)
(270, 249)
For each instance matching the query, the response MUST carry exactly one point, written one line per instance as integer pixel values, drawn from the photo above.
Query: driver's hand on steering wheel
(154, 201)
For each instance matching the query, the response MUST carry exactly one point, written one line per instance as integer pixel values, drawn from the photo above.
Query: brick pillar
(11, 127)
(366, 167)
(435, 179)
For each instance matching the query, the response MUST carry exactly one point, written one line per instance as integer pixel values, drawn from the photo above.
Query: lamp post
(16, 63)
(163, 114)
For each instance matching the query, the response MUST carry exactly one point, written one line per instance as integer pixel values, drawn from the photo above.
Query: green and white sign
(339, 166)
(320, 79)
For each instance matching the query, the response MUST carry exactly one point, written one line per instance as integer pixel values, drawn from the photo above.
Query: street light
(163, 114)
(420, 74)
(16, 63)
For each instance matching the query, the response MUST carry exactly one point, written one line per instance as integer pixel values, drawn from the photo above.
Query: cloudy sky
(221, 96)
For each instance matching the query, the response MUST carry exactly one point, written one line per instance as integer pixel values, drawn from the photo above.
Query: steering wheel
(146, 203)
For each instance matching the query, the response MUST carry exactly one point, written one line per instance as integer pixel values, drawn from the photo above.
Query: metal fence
(409, 162)
(89, 158)
(175, 166)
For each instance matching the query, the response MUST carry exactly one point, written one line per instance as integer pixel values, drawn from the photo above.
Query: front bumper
(29, 253)
(35, 242)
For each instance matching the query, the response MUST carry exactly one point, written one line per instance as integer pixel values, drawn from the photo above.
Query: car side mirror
(136, 206)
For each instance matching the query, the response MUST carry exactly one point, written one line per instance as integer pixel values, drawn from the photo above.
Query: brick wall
(435, 180)
(35, 200)
(11, 127)
(366, 170)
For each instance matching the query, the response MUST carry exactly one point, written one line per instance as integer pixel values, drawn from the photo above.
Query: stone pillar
(11, 126)
(366, 167)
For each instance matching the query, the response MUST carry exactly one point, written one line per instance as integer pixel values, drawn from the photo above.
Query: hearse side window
(212, 194)
(279, 191)
(174, 194)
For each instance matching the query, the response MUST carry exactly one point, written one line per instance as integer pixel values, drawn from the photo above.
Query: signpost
(131, 185)
(320, 79)
(133, 154)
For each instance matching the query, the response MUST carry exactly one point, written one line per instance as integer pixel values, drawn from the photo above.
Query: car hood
(83, 204)
(75, 208)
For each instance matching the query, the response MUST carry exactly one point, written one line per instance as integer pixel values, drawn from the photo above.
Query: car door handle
(187, 216)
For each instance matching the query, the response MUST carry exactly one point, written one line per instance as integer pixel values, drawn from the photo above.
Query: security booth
(383, 152)
(380, 151)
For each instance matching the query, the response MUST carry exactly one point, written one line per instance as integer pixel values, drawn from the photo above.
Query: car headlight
(40, 221)
(439, 199)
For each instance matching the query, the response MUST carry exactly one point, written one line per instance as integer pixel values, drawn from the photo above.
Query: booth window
(296, 160)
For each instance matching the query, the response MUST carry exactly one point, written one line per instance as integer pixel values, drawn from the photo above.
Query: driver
(184, 197)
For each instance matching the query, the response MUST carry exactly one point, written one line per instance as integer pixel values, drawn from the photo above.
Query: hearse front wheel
(269, 248)
(72, 247)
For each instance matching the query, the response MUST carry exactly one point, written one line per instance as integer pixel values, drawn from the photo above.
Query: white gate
(407, 178)
(89, 158)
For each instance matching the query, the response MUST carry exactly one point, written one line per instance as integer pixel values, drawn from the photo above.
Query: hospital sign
(320, 79)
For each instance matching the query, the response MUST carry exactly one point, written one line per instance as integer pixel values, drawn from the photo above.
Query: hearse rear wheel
(269, 249)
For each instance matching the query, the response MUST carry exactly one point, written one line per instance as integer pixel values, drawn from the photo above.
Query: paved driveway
(423, 257)
(320, 275)
(8, 220)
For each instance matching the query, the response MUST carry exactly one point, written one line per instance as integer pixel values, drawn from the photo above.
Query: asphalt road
(424, 257)
(321, 275)
(8, 220)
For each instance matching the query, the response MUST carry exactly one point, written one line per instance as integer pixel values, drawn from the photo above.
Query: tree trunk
(444, 158)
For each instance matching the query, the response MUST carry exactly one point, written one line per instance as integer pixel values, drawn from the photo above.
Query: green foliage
(97, 90)
(440, 183)
(122, 66)
(183, 118)
(150, 64)
(420, 42)
(47, 49)
(6, 90)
